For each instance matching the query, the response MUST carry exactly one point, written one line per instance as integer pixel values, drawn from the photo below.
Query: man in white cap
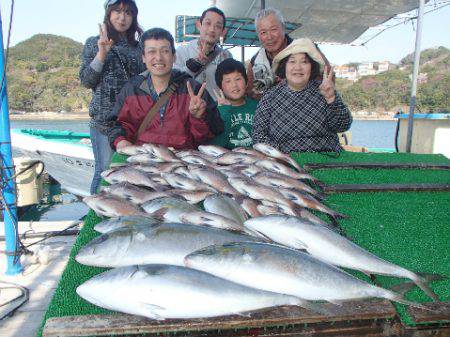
(270, 27)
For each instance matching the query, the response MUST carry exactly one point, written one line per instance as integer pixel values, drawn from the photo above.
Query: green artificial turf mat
(357, 157)
(411, 229)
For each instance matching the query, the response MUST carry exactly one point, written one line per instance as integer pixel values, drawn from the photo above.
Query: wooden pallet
(359, 318)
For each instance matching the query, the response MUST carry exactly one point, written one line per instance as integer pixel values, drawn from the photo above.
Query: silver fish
(169, 209)
(249, 151)
(144, 158)
(249, 205)
(179, 181)
(330, 247)
(274, 166)
(124, 221)
(161, 152)
(273, 152)
(258, 191)
(305, 200)
(109, 205)
(212, 150)
(131, 150)
(164, 291)
(275, 180)
(159, 167)
(275, 268)
(213, 178)
(231, 157)
(127, 191)
(225, 206)
(201, 218)
(192, 197)
(157, 243)
(132, 176)
(193, 159)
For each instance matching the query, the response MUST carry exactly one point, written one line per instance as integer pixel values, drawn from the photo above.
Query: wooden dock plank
(101, 325)
(440, 311)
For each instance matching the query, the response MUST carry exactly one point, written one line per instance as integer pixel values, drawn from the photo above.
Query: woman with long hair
(109, 60)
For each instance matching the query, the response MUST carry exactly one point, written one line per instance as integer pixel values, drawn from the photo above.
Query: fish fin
(336, 302)
(300, 245)
(160, 213)
(152, 310)
(315, 307)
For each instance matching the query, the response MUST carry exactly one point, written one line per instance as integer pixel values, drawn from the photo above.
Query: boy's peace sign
(327, 86)
(197, 105)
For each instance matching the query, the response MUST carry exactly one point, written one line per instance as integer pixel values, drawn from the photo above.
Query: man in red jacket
(187, 119)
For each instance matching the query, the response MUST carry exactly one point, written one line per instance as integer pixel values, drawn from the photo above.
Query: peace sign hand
(327, 86)
(221, 99)
(104, 43)
(197, 106)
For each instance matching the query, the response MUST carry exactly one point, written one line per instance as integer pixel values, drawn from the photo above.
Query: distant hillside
(391, 90)
(43, 75)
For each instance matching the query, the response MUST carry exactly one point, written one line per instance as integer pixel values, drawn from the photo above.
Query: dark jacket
(300, 121)
(122, 62)
(179, 128)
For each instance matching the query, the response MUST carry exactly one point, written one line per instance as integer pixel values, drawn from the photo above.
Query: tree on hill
(43, 75)
(391, 89)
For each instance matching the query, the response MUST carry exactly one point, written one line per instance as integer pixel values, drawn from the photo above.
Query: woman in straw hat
(301, 113)
(109, 60)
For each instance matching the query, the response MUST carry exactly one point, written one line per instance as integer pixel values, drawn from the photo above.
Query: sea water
(368, 133)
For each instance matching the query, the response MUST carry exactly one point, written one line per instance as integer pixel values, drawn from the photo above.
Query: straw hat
(303, 45)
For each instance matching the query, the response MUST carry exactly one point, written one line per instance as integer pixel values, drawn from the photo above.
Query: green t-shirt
(238, 123)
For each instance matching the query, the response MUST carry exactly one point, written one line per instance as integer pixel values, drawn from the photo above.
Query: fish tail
(398, 298)
(422, 283)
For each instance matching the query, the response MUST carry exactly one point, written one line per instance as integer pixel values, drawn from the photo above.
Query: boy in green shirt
(236, 110)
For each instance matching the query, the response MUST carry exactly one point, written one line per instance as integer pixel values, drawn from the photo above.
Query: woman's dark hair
(157, 34)
(134, 28)
(229, 66)
(215, 10)
(315, 68)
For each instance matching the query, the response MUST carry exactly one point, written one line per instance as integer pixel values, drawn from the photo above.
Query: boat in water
(67, 155)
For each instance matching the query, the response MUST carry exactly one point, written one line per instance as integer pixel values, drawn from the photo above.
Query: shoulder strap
(159, 103)
(216, 52)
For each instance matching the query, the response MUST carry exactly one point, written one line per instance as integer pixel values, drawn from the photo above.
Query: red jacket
(179, 128)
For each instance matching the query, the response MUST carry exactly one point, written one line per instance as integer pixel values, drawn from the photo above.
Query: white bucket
(29, 183)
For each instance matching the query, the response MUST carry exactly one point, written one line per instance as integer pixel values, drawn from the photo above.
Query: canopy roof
(333, 21)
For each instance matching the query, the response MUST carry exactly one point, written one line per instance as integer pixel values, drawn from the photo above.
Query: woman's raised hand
(197, 105)
(104, 44)
(327, 86)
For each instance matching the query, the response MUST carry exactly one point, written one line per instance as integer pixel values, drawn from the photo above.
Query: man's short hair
(157, 34)
(215, 10)
(269, 11)
(229, 66)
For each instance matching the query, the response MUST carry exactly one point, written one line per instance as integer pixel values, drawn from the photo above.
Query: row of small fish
(261, 186)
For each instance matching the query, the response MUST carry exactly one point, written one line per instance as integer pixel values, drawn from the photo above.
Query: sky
(79, 19)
